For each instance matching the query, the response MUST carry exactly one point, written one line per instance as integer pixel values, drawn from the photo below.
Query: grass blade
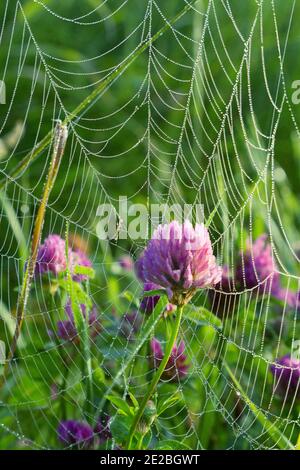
(16, 228)
(276, 435)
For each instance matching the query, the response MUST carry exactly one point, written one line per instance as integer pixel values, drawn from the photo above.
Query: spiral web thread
(176, 128)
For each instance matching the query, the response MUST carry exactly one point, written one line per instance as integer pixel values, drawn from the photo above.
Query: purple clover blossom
(66, 329)
(257, 265)
(286, 371)
(102, 429)
(76, 433)
(51, 255)
(176, 366)
(52, 258)
(180, 259)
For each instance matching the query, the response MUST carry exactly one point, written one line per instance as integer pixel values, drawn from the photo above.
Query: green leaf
(120, 427)
(16, 228)
(130, 298)
(98, 376)
(78, 293)
(10, 322)
(84, 270)
(146, 440)
(134, 400)
(152, 293)
(170, 444)
(121, 404)
(168, 403)
(30, 394)
(214, 211)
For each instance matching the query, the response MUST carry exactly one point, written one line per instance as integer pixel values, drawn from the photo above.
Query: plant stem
(82, 327)
(280, 440)
(157, 376)
(60, 139)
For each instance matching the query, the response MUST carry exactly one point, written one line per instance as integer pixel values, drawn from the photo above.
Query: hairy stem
(157, 375)
(60, 139)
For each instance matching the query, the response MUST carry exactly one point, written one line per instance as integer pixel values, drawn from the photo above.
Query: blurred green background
(202, 112)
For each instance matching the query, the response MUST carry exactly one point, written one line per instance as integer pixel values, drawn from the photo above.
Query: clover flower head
(51, 255)
(286, 371)
(75, 433)
(256, 265)
(176, 366)
(179, 258)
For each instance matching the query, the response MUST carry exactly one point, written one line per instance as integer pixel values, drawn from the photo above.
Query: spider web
(195, 114)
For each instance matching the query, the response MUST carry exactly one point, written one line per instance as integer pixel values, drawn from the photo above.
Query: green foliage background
(38, 48)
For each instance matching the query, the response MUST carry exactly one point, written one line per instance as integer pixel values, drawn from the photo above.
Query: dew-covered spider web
(165, 102)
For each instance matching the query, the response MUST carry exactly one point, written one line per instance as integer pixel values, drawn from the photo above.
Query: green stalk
(157, 375)
(276, 435)
(82, 327)
(43, 144)
(60, 139)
